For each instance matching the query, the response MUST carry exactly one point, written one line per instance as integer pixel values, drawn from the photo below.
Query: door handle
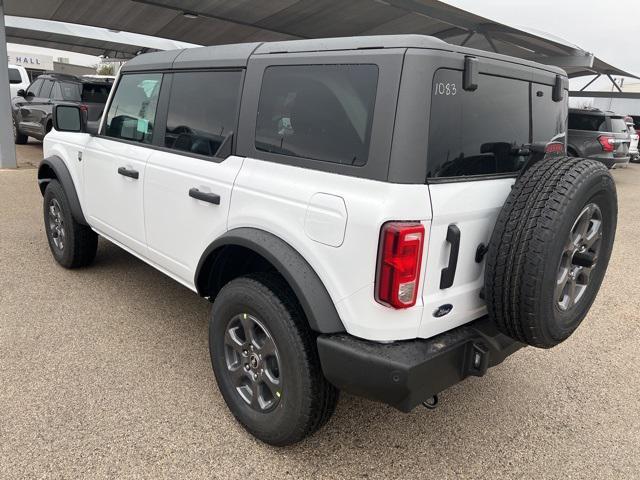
(128, 173)
(204, 196)
(449, 272)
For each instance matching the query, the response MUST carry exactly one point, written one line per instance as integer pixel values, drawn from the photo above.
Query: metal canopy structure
(84, 39)
(214, 22)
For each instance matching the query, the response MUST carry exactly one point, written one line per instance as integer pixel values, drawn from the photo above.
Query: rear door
(189, 177)
(476, 149)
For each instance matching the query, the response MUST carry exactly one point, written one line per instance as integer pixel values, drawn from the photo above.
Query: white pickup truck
(382, 215)
(18, 79)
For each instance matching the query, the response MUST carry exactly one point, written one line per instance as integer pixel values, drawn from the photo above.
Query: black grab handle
(204, 196)
(128, 173)
(449, 272)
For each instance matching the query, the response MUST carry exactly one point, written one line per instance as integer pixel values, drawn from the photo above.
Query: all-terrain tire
(72, 244)
(531, 252)
(19, 138)
(305, 400)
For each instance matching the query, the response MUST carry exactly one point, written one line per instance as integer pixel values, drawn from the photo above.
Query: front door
(116, 159)
(26, 104)
(188, 183)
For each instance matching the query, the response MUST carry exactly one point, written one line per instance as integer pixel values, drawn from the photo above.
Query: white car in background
(633, 134)
(18, 79)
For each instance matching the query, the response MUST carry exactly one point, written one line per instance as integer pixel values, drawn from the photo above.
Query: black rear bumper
(406, 373)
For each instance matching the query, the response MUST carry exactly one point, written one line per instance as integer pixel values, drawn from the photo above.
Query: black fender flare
(303, 280)
(61, 173)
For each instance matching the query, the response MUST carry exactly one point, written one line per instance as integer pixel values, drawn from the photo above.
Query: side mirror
(69, 118)
(21, 93)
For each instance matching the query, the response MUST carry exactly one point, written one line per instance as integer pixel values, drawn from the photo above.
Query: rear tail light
(84, 108)
(399, 260)
(554, 148)
(607, 143)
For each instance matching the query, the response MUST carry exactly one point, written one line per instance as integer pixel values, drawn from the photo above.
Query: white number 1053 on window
(442, 88)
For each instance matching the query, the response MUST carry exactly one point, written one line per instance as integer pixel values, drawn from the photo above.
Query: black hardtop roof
(237, 55)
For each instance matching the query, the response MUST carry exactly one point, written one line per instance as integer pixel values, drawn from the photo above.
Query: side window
(321, 112)
(34, 88)
(476, 132)
(587, 121)
(132, 112)
(69, 91)
(14, 76)
(203, 111)
(549, 117)
(45, 91)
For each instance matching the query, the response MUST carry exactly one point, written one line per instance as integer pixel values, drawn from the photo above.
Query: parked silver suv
(599, 135)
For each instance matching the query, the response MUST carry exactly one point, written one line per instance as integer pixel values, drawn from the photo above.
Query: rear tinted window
(549, 117)
(618, 125)
(200, 123)
(479, 132)
(14, 76)
(322, 112)
(583, 121)
(95, 92)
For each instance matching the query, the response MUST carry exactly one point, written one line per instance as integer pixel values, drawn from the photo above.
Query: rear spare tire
(550, 249)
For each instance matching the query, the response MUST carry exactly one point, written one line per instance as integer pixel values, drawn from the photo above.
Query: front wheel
(72, 244)
(265, 361)
(19, 138)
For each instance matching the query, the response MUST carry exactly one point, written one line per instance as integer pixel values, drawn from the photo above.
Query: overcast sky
(606, 28)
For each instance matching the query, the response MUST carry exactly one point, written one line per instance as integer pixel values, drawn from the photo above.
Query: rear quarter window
(618, 125)
(320, 112)
(476, 132)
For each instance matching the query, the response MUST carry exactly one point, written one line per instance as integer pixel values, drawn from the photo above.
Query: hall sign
(31, 60)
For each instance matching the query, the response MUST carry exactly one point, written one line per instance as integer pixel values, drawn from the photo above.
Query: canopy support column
(7, 145)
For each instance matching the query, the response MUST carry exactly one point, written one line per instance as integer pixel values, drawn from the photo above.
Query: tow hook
(431, 403)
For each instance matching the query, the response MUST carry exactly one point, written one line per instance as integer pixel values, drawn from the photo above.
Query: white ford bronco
(382, 215)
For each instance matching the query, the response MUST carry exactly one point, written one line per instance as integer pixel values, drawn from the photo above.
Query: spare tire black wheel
(550, 249)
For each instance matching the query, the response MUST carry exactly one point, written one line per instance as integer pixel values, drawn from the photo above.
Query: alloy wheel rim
(253, 362)
(579, 257)
(56, 224)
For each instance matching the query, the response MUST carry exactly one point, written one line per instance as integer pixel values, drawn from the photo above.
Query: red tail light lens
(607, 143)
(554, 148)
(84, 108)
(399, 263)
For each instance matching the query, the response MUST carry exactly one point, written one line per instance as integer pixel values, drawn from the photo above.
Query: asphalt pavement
(105, 373)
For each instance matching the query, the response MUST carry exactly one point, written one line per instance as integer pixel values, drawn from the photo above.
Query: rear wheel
(550, 249)
(265, 361)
